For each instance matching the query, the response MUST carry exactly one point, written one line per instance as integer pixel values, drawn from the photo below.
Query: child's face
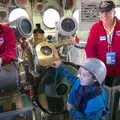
(86, 78)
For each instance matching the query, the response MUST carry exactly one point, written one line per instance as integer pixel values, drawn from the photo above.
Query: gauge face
(26, 26)
(16, 13)
(50, 17)
(68, 24)
(46, 50)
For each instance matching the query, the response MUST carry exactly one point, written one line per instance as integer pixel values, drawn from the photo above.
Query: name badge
(111, 58)
(102, 38)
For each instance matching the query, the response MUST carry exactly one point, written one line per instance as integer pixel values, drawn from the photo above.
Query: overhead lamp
(50, 17)
(17, 13)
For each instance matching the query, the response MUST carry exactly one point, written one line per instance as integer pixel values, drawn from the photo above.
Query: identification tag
(111, 58)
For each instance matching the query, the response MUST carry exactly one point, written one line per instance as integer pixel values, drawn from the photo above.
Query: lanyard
(110, 36)
(109, 40)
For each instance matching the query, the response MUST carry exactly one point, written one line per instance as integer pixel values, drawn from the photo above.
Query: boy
(86, 99)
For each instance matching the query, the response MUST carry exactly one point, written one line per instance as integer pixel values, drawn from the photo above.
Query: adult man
(7, 44)
(104, 40)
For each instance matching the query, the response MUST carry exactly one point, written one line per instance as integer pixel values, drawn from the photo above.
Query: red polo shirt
(97, 46)
(7, 43)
